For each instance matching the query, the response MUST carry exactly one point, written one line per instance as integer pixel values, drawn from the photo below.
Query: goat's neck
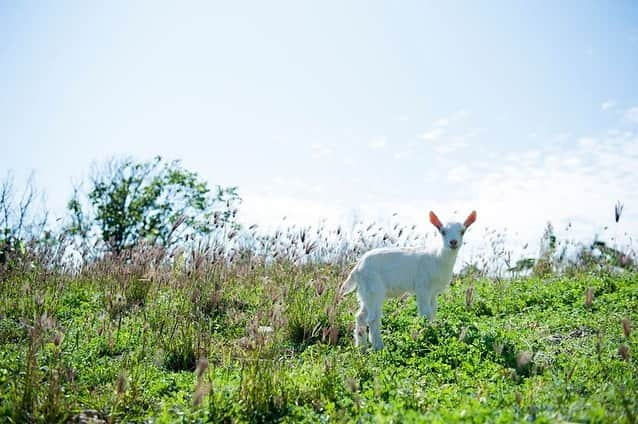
(447, 258)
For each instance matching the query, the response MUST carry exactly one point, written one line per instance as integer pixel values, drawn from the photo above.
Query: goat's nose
(453, 243)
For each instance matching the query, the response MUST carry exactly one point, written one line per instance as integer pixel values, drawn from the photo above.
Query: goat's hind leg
(361, 328)
(374, 321)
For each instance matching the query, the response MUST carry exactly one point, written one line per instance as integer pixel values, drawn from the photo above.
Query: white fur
(390, 272)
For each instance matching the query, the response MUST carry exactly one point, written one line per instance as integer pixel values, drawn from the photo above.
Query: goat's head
(452, 232)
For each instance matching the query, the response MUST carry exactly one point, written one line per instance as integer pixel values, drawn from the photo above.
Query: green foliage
(23, 228)
(311, 318)
(124, 339)
(528, 348)
(263, 390)
(157, 202)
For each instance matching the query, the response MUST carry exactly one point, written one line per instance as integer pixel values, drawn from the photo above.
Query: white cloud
(269, 210)
(459, 115)
(403, 154)
(561, 137)
(576, 182)
(471, 133)
(459, 174)
(631, 114)
(458, 142)
(294, 185)
(450, 147)
(433, 134)
(579, 183)
(320, 151)
(441, 127)
(348, 161)
(378, 142)
(609, 104)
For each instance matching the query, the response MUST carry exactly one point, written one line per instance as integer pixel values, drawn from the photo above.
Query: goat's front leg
(375, 333)
(423, 304)
(374, 322)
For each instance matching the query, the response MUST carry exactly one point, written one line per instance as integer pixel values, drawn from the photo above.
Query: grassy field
(255, 343)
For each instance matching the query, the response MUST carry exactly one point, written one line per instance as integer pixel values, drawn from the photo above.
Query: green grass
(279, 348)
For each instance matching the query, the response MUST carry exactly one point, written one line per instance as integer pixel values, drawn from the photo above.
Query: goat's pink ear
(470, 219)
(435, 220)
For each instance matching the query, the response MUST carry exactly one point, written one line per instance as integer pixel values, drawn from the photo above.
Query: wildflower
(353, 385)
(120, 386)
(570, 374)
(195, 295)
(618, 210)
(523, 359)
(57, 338)
(623, 351)
(469, 296)
(200, 392)
(202, 366)
(463, 333)
(589, 296)
(626, 327)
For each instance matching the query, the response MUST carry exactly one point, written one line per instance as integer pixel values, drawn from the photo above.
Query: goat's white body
(394, 271)
(391, 272)
(382, 273)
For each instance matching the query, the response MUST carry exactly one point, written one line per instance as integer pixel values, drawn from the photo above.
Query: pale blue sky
(526, 111)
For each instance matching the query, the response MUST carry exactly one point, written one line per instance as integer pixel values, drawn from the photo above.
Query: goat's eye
(442, 232)
(462, 232)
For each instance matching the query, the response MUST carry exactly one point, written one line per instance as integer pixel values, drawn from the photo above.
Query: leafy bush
(156, 202)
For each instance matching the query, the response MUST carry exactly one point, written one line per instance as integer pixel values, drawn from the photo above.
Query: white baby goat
(389, 272)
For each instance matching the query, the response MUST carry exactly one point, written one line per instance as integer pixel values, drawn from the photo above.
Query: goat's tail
(348, 286)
